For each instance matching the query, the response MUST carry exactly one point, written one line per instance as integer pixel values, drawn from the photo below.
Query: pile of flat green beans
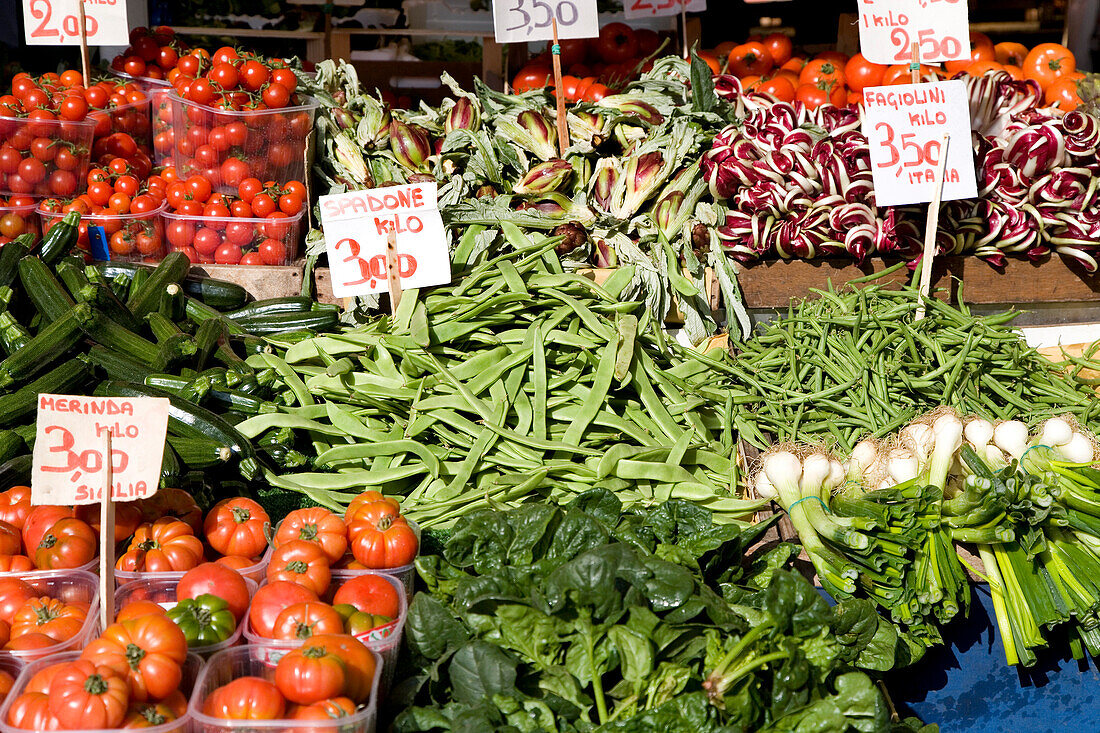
(844, 365)
(518, 382)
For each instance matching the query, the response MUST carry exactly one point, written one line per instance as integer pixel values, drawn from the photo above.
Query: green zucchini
(251, 344)
(50, 344)
(171, 269)
(27, 433)
(170, 468)
(173, 306)
(103, 298)
(271, 306)
(281, 322)
(60, 239)
(197, 312)
(10, 254)
(12, 334)
(106, 332)
(190, 421)
(206, 337)
(218, 294)
(11, 444)
(161, 326)
(6, 294)
(74, 278)
(44, 289)
(167, 382)
(173, 350)
(240, 402)
(196, 453)
(16, 472)
(225, 355)
(118, 365)
(71, 376)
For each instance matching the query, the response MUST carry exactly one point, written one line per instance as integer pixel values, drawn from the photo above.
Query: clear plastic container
(92, 566)
(163, 593)
(68, 586)
(254, 573)
(251, 661)
(21, 173)
(192, 672)
(132, 118)
(228, 240)
(17, 220)
(383, 640)
(269, 144)
(130, 237)
(160, 112)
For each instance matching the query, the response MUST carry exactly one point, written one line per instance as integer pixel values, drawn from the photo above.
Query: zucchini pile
(123, 330)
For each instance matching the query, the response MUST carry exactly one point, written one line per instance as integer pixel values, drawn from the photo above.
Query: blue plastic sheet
(967, 687)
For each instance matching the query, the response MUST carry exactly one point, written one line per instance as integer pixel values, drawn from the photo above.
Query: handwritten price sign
(889, 28)
(57, 22)
(70, 465)
(356, 225)
(636, 9)
(519, 21)
(905, 125)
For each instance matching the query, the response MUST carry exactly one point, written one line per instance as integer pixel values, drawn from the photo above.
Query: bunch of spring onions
(885, 524)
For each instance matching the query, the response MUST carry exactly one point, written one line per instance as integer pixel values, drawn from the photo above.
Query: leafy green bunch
(581, 618)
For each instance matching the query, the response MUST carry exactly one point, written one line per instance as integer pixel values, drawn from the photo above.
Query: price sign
(57, 22)
(635, 9)
(69, 462)
(519, 21)
(905, 125)
(356, 225)
(889, 28)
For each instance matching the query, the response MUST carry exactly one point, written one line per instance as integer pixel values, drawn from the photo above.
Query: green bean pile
(518, 382)
(844, 365)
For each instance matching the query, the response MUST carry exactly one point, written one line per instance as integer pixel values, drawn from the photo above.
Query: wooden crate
(1054, 280)
(260, 281)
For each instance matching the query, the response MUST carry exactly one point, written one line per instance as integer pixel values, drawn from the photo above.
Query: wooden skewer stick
(85, 63)
(393, 272)
(684, 27)
(914, 67)
(563, 127)
(931, 225)
(107, 540)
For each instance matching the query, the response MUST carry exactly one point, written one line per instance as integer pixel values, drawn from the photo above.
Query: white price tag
(635, 9)
(70, 440)
(889, 28)
(905, 125)
(57, 22)
(356, 225)
(520, 21)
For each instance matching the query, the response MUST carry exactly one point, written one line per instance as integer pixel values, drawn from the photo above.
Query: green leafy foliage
(580, 618)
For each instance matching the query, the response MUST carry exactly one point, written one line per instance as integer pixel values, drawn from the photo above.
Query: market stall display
(516, 499)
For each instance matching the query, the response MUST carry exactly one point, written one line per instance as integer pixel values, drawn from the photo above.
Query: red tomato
(310, 674)
(779, 87)
(15, 505)
(359, 662)
(336, 707)
(40, 519)
(1010, 54)
(1063, 93)
(380, 536)
(315, 524)
(246, 698)
(272, 252)
(1048, 62)
(859, 73)
(271, 600)
(750, 59)
(219, 580)
(304, 620)
(148, 650)
(616, 43)
(68, 543)
(31, 711)
(169, 502)
(85, 696)
(165, 546)
(11, 541)
(779, 47)
(822, 70)
(371, 594)
(137, 609)
(56, 619)
(14, 594)
(302, 562)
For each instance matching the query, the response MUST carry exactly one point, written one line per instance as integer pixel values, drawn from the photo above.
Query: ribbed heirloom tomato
(304, 620)
(359, 662)
(301, 562)
(14, 592)
(51, 617)
(31, 711)
(237, 526)
(69, 543)
(166, 545)
(310, 674)
(86, 696)
(148, 650)
(315, 524)
(380, 536)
